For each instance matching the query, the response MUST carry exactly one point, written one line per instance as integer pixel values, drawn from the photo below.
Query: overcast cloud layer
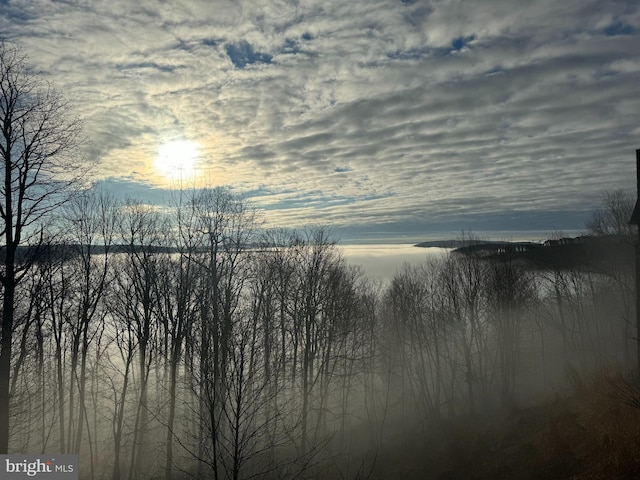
(379, 117)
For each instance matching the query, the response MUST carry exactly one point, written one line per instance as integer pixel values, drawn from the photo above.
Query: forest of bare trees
(191, 342)
(196, 343)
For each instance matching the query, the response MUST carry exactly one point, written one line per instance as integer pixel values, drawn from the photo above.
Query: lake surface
(382, 261)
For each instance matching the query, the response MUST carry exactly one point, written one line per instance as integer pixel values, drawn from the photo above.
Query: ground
(592, 433)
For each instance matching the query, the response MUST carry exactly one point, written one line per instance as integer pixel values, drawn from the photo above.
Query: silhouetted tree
(141, 230)
(510, 291)
(90, 228)
(463, 279)
(38, 161)
(177, 305)
(612, 217)
(226, 224)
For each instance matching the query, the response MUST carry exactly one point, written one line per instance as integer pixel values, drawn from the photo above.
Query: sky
(386, 120)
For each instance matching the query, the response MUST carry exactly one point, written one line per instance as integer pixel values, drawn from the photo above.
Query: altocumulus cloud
(377, 117)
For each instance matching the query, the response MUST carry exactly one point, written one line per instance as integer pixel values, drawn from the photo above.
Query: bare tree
(463, 280)
(226, 224)
(141, 232)
(414, 304)
(315, 259)
(37, 153)
(510, 289)
(90, 221)
(177, 307)
(612, 218)
(125, 339)
(27, 369)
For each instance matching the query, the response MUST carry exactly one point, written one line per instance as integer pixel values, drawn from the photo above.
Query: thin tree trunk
(5, 351)
(172, 414)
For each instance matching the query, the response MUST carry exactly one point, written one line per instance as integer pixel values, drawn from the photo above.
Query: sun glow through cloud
(177, 159)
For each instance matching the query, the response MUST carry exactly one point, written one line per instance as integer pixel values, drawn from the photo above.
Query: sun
(177, 159)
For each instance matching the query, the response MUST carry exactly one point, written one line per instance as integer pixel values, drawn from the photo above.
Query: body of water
(382, 261)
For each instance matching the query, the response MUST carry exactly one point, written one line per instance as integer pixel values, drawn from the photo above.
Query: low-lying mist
(211, 360)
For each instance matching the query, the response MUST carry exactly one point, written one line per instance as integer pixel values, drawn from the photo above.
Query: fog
(174, 351)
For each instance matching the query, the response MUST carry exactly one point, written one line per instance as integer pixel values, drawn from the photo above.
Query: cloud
(405, 114)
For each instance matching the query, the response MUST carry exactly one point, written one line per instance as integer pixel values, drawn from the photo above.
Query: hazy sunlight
(177, 159)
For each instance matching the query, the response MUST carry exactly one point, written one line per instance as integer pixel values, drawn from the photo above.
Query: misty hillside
(177, 351)
(590, 431)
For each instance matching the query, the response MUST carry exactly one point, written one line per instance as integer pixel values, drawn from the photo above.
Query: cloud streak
(412, 114)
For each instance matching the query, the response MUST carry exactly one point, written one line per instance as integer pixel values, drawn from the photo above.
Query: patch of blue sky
(242, 54)
(265, 192)
(123, 188)
(619, 28)
(258, 192)
(270, 199)
(417, 53)
(210, 42)
(290, 46)
(459, 43)
(22, 15)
